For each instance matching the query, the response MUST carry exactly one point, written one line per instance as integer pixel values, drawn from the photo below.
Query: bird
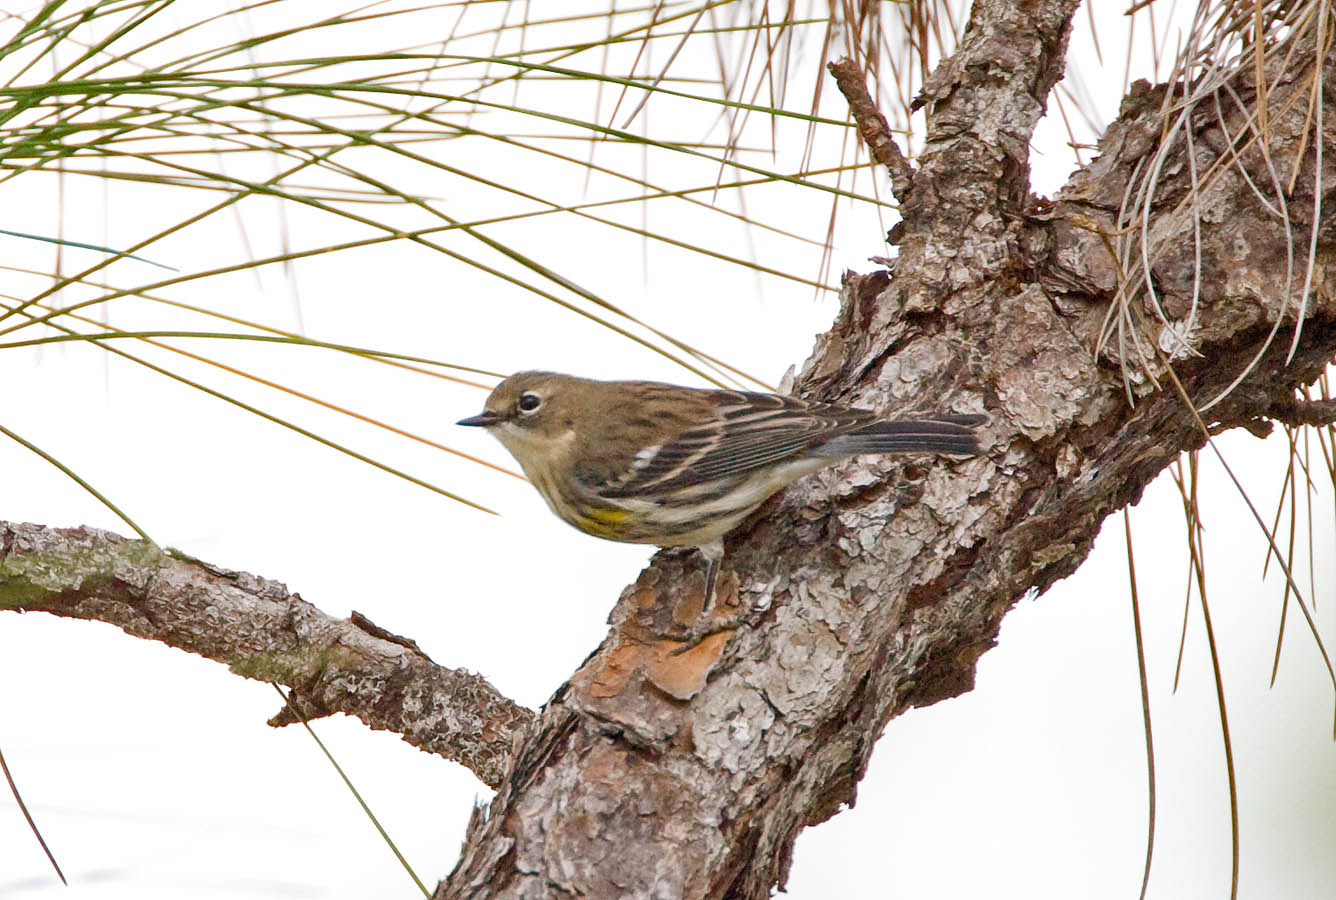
(652, 463)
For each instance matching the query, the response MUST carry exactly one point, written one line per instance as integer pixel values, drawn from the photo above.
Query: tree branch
(872, 125)
(261, 631)
(1296, 413)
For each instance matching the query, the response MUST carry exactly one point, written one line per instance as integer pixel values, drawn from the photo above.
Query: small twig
(872, 126)
(371, 628)
(1295, 412)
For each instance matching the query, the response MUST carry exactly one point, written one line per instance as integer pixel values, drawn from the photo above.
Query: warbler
(650, 463)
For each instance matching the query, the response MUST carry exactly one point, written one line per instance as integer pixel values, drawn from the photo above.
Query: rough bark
(873, 586)
(262, 631)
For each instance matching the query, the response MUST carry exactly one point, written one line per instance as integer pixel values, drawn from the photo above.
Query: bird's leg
(703, 627)
(713, 554)
(711, 579)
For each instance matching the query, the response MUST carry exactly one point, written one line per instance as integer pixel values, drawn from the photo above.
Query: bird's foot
(704, 627)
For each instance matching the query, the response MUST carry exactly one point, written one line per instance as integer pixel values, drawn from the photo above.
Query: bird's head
(533, 411)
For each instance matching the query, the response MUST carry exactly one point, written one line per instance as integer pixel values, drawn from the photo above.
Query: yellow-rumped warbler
(651, 463)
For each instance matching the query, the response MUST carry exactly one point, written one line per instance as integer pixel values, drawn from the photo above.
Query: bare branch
(261, 631)
(1296, 412)
(872, 125)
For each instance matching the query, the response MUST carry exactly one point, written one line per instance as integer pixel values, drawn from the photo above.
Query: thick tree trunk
(873, 586)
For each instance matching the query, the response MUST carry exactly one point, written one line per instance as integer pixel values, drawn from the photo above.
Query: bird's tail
(947, 433)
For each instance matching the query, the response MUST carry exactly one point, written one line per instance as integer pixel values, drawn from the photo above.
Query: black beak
(483, 419)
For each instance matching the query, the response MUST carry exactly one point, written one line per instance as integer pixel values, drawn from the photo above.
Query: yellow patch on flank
(610, 516)
(602, 522)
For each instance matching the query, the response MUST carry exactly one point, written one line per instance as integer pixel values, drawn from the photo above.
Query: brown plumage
(652, 463)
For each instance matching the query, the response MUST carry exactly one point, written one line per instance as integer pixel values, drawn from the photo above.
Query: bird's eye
(529, 403)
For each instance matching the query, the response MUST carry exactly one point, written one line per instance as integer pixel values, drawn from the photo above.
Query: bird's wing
(749, 431)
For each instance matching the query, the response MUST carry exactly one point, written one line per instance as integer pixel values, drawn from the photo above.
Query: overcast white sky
(153, 775)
